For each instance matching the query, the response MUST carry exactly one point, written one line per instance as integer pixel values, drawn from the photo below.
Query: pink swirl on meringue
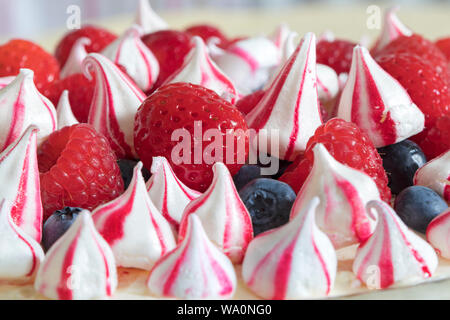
(4, 81)
(195, 269)
(223, 214)
(437, 234)
(74, 62)
(114, 105)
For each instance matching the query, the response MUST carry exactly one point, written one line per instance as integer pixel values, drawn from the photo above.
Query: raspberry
(336, 54)
(437, 139)
(100, 39)
(444, 45)
(207, 32)
(247, 103)
(177, 106)
(18, 54)
(78, 169)
(347, 144)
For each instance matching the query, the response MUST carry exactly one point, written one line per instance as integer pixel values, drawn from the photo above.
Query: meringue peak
(195, 269)
(437, 233)
(77, 54)
(147, 19)
(294, 261)
(64, 113)
(377, 102)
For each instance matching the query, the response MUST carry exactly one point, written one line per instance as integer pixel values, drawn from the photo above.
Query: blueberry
(247, 173)
(269, 203)
(126, 169)
(57, 224)
(401, 161)
(417, 206)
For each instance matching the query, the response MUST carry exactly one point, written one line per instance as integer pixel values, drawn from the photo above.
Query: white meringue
(391, 30)
(74, 63)
(435, 175)
(137, 233)
(343, 193)
(20, 254)
(114, 105)
(294, 261)
(64, 112)
(196, 269)
(21, 185)
(167, 192)
(135, 57)
(4, 81)
(291, 104)
(280, 35)
(437, 234)
(21, 105)
(198, 68)
(79, 266)
(147, 19)
(249, 63)
(377, 102)
(393, 253)
(223, 214)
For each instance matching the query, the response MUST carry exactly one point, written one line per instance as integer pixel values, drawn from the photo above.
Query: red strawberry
(78, 169)
(100, 39)
(444, 45)
(417, 45)
(348, 145)
(177, 106)
(247, 103)
(427, 87)
(17, 54)
(437, 140)
(206, 31)
(336, 54)
(169, 47)
(81, 91)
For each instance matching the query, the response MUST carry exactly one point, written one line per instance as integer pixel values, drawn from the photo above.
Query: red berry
(248, 102)
(347, 144)
(100, 39)
(437, 140)
(444, 45)
(169, 47)
(177, 106)
(336, 54)
(206, 31)
(17, 54)
(78, 169)
(427, 87)
(81, 91)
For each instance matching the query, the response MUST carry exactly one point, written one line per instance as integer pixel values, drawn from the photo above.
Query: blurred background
(45, 20)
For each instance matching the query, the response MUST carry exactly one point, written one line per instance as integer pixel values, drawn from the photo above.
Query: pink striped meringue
(137, 233)
(291, 104)
(280, 36)
(21, 186)
(21, 105)
(147, 19)
(79, 266)
(435, 175)
(295, 261)
(249, 62)
(114, 105)
(64, 112)
(437, 234)
(74, 62)
(223, 214)
(196, 269)
(377, 103)
(167, 192)
(135, 57)
(393, 253)
(4, 81)
(20, 254)
(391, 30)
(198, 68)
(343, 193)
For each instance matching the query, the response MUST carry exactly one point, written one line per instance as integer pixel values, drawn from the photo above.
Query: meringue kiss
(198, 68)
(294, 261)
(196, 269)
(167, 192)
(79, 266)
(147, 19)
(135, 57)
(393, 253)
(74, 62)
(437, 234)
(20, 254)
(114, 105)
(223, 214)
(137, 233)
(21, 186)
(343, 194)
(64, 112)
(291, 104)
(21, 105)
(377, 102)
